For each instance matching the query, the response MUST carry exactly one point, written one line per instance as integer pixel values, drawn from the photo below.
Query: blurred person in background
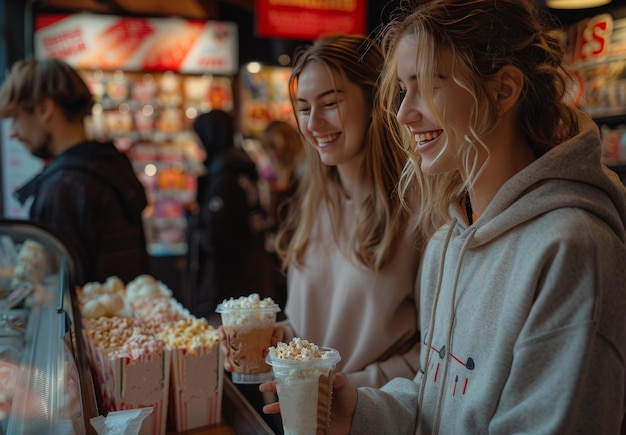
(227, 255)
(282, 144)
(87, 190)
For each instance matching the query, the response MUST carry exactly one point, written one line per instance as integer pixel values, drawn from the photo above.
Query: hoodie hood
(559, 179)
(102, 161)
(216, 131)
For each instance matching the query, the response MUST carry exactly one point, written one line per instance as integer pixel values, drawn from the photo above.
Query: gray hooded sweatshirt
(523, 313)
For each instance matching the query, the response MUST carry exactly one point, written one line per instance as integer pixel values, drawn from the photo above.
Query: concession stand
(49, 380)
(151, 75)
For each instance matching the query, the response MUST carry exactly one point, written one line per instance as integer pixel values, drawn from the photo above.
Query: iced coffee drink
(249, 323)
(304, 383)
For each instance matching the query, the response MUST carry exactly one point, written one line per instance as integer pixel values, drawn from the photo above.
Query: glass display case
(45, 380)
(47, 385)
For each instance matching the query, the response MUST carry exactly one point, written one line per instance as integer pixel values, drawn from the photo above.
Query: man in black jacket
(87, 190)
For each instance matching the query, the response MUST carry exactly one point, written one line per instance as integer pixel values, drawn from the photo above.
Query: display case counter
(45, 384)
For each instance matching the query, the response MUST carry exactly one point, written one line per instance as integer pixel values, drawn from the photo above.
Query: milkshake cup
(248, 323)
(304, 383)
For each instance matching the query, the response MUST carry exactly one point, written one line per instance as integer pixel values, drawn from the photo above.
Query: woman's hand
(342, 408)
(343, 405)
(224, 348)
(270, 387)
(279, 334)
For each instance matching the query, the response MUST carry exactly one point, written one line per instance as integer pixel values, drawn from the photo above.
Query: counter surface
(239, 417)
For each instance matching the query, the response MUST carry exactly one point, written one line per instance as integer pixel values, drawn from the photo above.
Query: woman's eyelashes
(304, 110)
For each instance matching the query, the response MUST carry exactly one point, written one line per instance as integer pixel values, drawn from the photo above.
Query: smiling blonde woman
(348, 244)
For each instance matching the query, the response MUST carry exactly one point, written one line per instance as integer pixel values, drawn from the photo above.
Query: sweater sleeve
(388, 410)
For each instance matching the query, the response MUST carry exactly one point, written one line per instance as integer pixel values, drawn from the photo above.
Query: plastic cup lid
(221, 308)
(331, 357)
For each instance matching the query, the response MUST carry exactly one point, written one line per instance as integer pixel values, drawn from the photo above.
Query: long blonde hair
(381, 217)
(483, 35)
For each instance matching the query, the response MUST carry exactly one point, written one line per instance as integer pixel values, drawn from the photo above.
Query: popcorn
(251, 301)
(133, 356)
(146, 285)
(137, 345)
(109, 332)
(190, 334)
(120, 337)
(32, 264)
(250, 311)
(105, 304)
(155, 313)
(93, 309)
(92, 290)
(112, 298)
(114, 284)
(297, 350)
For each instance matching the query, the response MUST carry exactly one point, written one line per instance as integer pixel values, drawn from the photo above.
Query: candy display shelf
(150, 116)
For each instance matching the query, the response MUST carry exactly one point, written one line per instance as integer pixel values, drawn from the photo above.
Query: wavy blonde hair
(381, 217)
(484, 36)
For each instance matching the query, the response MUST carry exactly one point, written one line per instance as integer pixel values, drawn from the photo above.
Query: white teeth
(325, 139)
(421, 137)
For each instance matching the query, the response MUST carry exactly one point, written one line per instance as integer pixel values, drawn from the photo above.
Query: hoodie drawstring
(432, 322)
(451, 322)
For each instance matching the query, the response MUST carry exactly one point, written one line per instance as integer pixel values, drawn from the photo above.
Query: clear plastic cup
(249, 336)
(304, 391)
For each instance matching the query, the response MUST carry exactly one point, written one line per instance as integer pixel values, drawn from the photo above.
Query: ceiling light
(575, 4)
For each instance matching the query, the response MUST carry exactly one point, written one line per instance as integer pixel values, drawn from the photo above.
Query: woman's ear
(508, 84)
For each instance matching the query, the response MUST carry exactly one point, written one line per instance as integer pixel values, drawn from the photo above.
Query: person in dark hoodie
(227, 256)
(87, 191)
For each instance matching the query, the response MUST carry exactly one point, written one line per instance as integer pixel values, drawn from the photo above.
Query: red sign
(309, 19)
(144, 44)
(592, 39)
